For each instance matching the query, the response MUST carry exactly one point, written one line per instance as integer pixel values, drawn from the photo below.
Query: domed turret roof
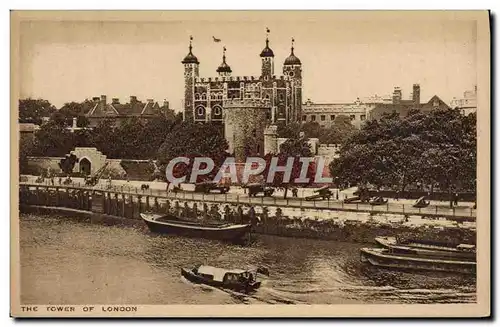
(267, 52)
(292, 59)
(190, 58)
(224, 67)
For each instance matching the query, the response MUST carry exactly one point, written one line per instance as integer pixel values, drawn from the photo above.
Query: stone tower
(191, 71)
(244, 125)
(271, 139)
(293, 68)
(267, 58)
(224, 69)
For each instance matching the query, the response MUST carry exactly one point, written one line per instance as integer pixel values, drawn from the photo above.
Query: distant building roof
(28, 127)
(116, 109)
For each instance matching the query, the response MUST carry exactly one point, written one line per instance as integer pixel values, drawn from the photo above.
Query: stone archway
(94, 157)
(85, 166)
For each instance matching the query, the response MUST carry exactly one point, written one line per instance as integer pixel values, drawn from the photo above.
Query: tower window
(217, 110)
(197, 96)
(362, 117)
(200, 110)
(332, 117)
(291, 74)
(313, 117)
(281, 97)
(204, 96)
(352, 117)
(322, 117)
(304, 118)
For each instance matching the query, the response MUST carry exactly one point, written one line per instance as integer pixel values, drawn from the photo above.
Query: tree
(32, 110)
(26, 148)
(53, 140)
(104, 137)
(292, 148)
(291, 130)
(339, 132)
(68, 163)
(436, 147)
(193, 140)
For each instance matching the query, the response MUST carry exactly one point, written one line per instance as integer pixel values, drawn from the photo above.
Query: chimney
(165, 104)
(416, 95)
(102, 103)
(74, 123)
(95, 99)
(133, 99)
(115, 101)
(396, 95)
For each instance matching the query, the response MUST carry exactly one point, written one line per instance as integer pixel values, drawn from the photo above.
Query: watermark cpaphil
(253, 166)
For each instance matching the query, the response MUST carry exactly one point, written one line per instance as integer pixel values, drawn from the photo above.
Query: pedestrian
(456, 199)
(295, 192)
(52, 180)
(397, 195)
(60, 180)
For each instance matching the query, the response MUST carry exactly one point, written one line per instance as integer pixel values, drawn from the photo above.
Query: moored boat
(428, 248)
(219, 231)
(389, 258)
(235, 279)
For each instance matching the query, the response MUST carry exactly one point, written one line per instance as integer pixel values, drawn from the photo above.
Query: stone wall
(273, 220)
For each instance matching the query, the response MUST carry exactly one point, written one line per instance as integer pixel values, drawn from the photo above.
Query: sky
(344, 56)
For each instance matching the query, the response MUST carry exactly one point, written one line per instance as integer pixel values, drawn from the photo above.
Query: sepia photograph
(250, 163)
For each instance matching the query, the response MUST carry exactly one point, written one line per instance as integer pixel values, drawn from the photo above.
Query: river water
(68, 262)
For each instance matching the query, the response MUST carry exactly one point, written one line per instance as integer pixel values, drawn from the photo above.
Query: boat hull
(422, 250)
(192, 277)
(383, 258)
(177, 227)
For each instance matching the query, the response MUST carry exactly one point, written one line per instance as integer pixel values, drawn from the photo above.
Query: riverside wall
(111, 207)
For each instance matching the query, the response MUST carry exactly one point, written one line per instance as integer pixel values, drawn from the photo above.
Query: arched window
(203, 96)
(200, 110)
(291, 74)
(197, 96)
(217, 110)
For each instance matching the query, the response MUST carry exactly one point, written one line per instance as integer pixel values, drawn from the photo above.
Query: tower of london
(206, 98)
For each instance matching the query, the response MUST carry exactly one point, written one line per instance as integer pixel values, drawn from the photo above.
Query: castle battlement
(248, 103)
(228, 79)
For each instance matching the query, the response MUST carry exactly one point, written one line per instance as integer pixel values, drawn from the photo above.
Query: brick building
(369, 108)
(120, 112)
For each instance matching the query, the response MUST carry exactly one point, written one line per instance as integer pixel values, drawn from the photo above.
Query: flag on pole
(216, 39)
